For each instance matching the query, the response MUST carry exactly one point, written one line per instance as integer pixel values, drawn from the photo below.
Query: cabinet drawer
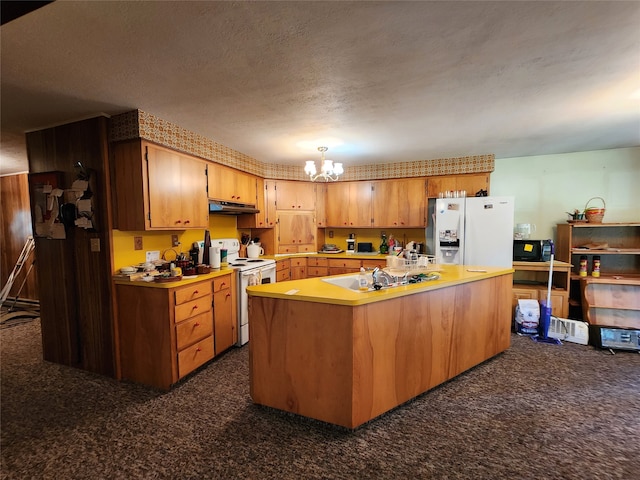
(318, 262)
(298, 262)
(317, 271)
(193, 308)
(220, 283)
(306, 247)
(344, 263)
(192, 292)
(194, 329)
(287, 249)
(282, 275)
(194, 356)
(283, 265)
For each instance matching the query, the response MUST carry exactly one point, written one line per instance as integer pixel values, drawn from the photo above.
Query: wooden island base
(347, 364)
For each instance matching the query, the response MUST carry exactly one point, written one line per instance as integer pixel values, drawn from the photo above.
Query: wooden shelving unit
(617, 245)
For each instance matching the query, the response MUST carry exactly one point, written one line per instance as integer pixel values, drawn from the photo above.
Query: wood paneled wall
(76, 306)
(15, 225)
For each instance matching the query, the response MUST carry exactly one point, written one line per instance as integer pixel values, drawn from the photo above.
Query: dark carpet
(534, 412)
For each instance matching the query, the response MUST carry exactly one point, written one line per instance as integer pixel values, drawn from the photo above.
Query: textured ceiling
(374, 81)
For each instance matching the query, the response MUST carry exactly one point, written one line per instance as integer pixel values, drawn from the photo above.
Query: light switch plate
(95, 244)
(153, 255)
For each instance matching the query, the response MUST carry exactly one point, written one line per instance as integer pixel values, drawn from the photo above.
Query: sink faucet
(381, 278)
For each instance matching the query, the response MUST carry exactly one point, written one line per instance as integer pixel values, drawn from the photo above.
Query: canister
(214, 257)
(223, 257)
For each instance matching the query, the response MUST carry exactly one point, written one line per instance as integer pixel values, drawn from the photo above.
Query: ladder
(22, 259)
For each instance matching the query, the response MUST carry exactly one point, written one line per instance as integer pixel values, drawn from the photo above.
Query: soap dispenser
(363, 285)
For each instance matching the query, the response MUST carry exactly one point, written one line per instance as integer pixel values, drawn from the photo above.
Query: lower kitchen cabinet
(298, 268)
(166, 333)
(530, 281)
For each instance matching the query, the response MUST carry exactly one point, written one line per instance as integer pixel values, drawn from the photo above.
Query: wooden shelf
(620, 270)
(607, 251)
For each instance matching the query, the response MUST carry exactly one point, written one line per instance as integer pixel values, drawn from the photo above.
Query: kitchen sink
(350, 282)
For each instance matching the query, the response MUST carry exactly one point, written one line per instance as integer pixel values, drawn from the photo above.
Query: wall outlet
(174, 241)
(137, 243)
(153, 255)
(330, 233)
(95, 244)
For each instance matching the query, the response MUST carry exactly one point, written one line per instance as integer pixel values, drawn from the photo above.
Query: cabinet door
(336, 204)
(412, 204)
(385, 198)
(359, 204)
(224, 321)
(321, 212)
(164, 188)
(296, 228)
(245, 188)
(194, 205)
(270, 199)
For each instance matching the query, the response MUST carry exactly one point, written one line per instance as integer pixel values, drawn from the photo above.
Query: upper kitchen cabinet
(399, 203)
(158, 189)
(231, 185)
(295, 196)
(470, 183)
(348, 204)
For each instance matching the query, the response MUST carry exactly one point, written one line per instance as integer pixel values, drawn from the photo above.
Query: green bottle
(384, 247)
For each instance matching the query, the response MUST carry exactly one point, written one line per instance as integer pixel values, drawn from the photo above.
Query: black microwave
(531, 250)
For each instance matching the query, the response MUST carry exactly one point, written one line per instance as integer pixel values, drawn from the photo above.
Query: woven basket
(594, 214)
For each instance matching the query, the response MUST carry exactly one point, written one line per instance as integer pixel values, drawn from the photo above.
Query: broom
(545, 310)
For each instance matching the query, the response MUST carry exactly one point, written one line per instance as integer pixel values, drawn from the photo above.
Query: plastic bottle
(384, 247)
(583, 266)
(596, 267)
(363, 285)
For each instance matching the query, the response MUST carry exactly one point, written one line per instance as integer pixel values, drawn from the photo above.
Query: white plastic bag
(527, 317)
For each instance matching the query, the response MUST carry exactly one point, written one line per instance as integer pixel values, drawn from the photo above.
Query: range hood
(230, 208)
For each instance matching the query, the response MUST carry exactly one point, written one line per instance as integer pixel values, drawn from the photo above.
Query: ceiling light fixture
(328, 171)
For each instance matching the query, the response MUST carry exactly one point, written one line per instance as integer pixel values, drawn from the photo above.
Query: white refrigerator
(474, 231)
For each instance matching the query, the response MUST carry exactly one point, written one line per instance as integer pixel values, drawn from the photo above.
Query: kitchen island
(345, 357)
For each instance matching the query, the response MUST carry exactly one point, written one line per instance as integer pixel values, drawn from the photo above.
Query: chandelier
(329, 170)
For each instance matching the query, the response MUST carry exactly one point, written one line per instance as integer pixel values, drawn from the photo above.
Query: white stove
(250, 271)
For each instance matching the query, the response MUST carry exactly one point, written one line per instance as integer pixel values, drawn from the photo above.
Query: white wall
(547, 186)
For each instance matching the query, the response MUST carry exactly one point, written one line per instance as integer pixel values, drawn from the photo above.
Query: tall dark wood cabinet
(74, 273)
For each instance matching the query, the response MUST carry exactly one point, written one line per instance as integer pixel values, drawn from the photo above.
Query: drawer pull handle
(223, 284)
(197, 324)
(195, 307)
(187, 221)
(195, 292)
(228, 295)
(198, 349)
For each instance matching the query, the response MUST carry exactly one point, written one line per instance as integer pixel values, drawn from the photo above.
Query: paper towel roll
(214, 257)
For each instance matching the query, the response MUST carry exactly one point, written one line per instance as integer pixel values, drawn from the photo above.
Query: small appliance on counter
(351, 243)
(531, 250)
(365, 247)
